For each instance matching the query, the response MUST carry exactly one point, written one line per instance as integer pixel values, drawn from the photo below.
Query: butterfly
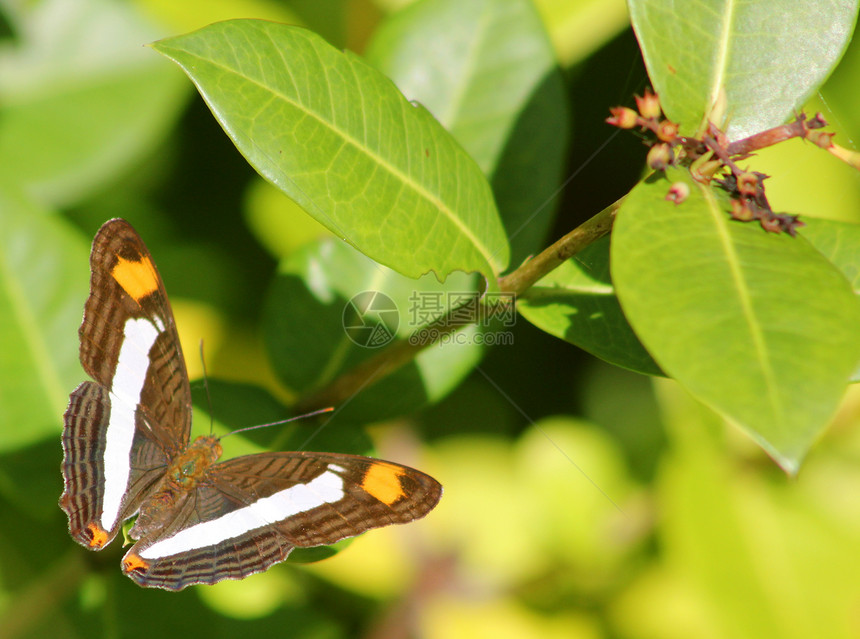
(127, 451)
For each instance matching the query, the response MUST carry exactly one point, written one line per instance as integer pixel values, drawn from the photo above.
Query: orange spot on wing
(383, 482)
(132, 563)
(98, 536)
(137, 278)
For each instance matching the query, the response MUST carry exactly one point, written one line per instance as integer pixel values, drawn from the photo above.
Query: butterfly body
(127, 452)
(180, 479)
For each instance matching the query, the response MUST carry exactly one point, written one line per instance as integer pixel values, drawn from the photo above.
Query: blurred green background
(581, 501)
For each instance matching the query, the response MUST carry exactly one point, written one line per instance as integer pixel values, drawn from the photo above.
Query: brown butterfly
(127, 451)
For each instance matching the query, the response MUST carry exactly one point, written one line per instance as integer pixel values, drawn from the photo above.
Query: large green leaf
(493, 83)
(43, 285)
(760, 327)
(576, 302)
(763, 57)
(337, 137)
(314, 333)
(81, 99)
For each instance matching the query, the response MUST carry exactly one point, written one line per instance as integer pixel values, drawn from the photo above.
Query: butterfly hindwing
(256, 509)
(96, 513)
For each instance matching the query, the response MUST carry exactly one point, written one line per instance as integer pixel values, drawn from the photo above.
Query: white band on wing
(131, 368)
(325, 489)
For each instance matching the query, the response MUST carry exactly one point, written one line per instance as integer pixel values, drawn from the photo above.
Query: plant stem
(403, 351)
(551, 258)
(797, 129)
(373, 369)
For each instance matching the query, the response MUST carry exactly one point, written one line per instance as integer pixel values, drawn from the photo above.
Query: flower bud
(741, 211)
(660, 156)
(667, 130)
(678, 192)
(748, 184)
(771, 224)
(648, 105)
(623, 118)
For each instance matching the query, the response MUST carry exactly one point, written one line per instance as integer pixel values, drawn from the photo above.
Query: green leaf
(339, 139)
(493, 83)
(841, 92)
(759, 327)
(576, 302)
(839, 242)
(81, 99)
(43, 286)
(763, 58)
(30, 477)
(331, 308)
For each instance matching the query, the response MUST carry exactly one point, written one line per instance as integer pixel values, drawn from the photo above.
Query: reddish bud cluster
(713, 156)
(648, 117)
(750, 203)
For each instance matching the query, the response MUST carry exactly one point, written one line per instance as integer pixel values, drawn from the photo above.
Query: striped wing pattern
(126, 451)
(122, 429)
(315, 499)
(86, 420)
(125, 285)
(230, 559)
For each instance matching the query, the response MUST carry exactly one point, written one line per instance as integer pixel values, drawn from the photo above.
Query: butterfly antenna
(206, 386)
(283, 421)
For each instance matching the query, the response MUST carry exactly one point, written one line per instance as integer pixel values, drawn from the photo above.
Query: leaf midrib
(722, 57)
(745, 299)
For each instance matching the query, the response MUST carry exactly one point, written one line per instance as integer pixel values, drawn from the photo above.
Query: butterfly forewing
(254, 510)
(128, 314)
(333, 496)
